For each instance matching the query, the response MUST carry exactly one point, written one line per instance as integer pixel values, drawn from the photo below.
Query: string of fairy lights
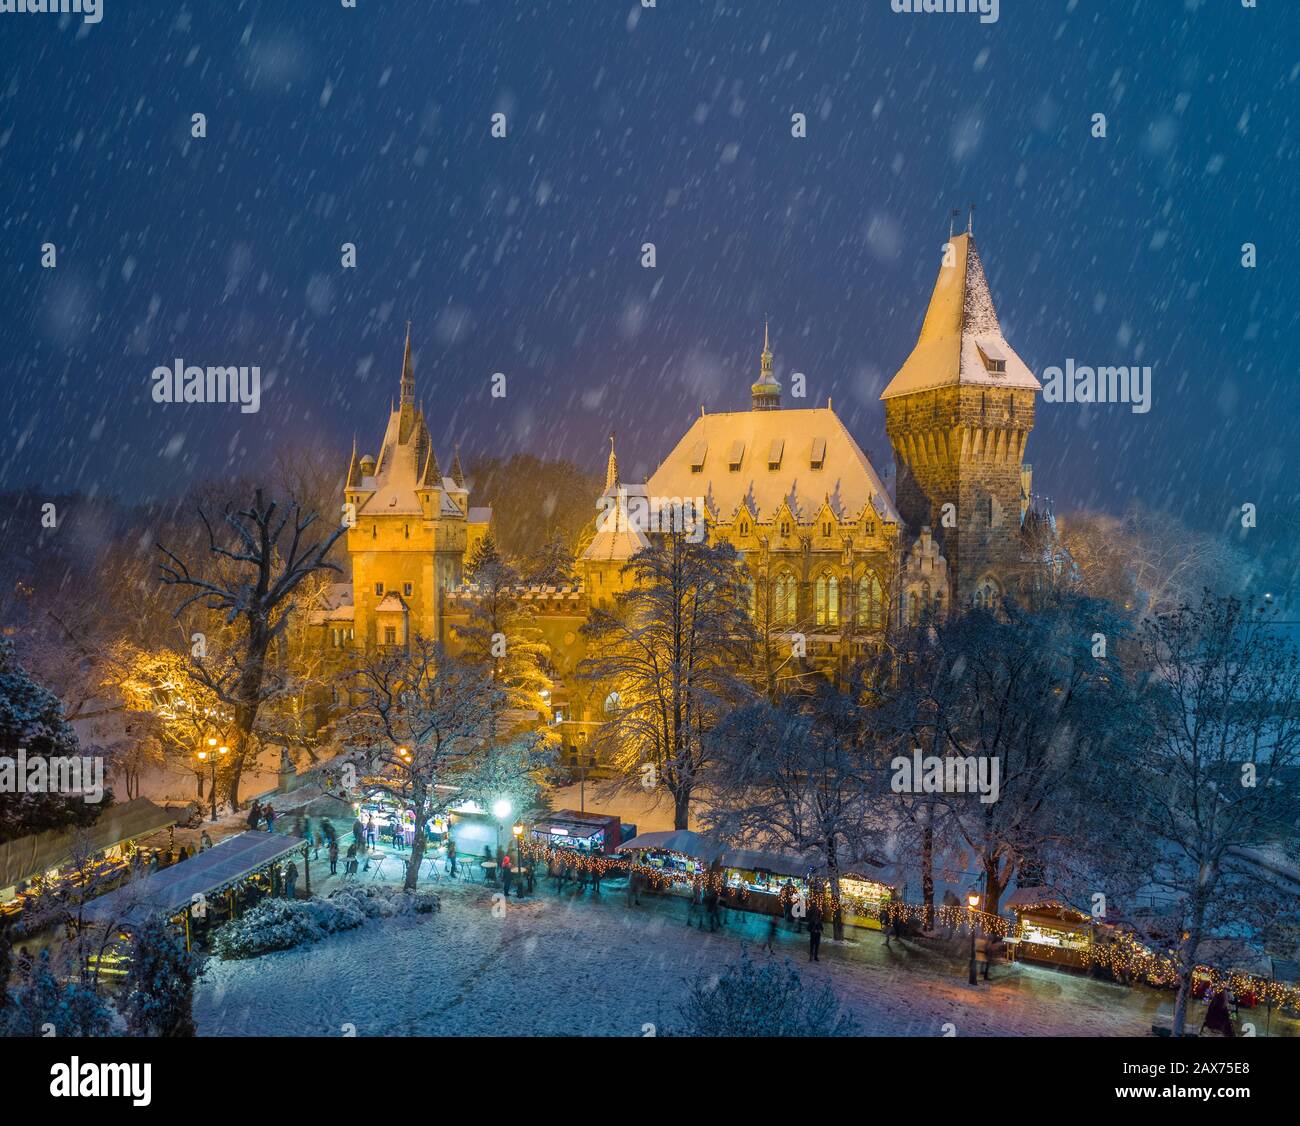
(1124, 957)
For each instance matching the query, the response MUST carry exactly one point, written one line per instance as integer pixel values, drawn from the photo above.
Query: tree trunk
(417, 855)
(1187, 965)
(994, 885)
(837, 918)
(927, 868)
(682, 808)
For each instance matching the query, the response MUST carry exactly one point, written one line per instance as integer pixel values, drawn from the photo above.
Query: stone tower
(958, 415)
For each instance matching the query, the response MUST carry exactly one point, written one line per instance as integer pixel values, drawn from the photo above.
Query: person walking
(290, 880)
(254, 814)
(982, 956)
(270, 819)
(1218, 1018)
(205, 841)
(334, 858)
(350, 868)
(359, 834)
(814, 933)
(451, 858)
(370, 831)
(693, 906)
(770, 943)
(711, 909)
(595, 875)
(633, 887)
(507, 874)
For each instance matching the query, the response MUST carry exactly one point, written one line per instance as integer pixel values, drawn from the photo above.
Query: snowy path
(575, 966)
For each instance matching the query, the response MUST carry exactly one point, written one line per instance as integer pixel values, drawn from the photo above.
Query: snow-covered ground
(575, 965)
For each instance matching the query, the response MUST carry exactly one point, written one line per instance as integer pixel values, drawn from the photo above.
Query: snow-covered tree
(1215, 785)
(797, 777)
(40, 1005)
(769, 1000)
(671, 652)
(252, 584)
(422, 732)
(31, 718)
(159, 995)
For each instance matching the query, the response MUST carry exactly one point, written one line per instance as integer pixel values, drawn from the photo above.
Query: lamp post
(501, 810)
(973, 901)
(518, 831)
(209, 755)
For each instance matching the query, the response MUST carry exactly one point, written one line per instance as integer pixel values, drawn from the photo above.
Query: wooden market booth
(1048, 929)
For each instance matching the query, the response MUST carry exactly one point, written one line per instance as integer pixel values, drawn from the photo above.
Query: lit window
(871, 602)
(379, 589)
(390, 635)
(406, 589)
(826, 600)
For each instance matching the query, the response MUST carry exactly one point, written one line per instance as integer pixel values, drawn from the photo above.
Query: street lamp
(209, 755)
(972, 901)
(518, 830)
(501, 810)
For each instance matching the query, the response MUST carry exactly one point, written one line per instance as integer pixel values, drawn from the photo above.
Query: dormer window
(775, 453)
(697, 457)
(785, 527)
(826, 529)
(744, 528)
(995, 360)
(737, 455)
(818, 457)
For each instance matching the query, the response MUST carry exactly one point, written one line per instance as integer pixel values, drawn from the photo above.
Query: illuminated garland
(1124, 956)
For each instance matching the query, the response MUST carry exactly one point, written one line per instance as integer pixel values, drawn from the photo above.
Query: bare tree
(422, 732)
(251, 583)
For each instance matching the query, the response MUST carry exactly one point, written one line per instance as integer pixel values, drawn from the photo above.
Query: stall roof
(1027, 899)
(688, 843)
(170, 890)
(30, 856)
(790, 863)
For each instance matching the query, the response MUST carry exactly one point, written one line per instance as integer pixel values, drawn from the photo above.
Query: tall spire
(354, 470)
(766, 393)
(611, 470)
(408, 376)
(457, 474)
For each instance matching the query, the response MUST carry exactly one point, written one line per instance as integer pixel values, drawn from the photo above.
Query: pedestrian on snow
(350, 868)
(507, 874)
(787, 899)
(300, 827)
(711, 909)
(595, 875)
(633, 888)
(370, 832)
(290, 879)
(205, 841)
(451, 858)
(358, 834)
(814, 933)
(1218, 1018)
(270, 819)
(327, 829)
(693, 906)
(334, 858)
(582, 873)
(254, 814)
(982, 955)
(769, 944)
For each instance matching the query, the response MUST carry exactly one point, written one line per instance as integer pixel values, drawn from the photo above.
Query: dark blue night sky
(669, 125)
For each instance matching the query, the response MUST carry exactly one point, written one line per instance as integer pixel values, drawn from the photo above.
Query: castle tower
(958, 415)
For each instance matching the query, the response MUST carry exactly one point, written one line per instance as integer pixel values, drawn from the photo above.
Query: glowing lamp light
(212, 742)
(501, 809)
(223, 750)
(973, 899)
(203, 756)
(517, 829)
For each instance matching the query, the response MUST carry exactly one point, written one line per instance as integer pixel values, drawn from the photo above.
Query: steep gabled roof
(961, 339)
(793, 440)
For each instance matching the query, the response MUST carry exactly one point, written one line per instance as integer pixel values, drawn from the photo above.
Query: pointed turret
(961, 339)
(431, 478)
(611, 470)
(408, 374)
(457, 473)
(354, 467)
(766, 393)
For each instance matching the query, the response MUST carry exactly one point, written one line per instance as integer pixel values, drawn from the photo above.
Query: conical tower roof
(961, 339)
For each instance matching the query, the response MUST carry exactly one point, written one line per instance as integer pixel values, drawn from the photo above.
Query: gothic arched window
(987, 594)
(871, 602)
(913, 608)
(785, 600)
(826, 600)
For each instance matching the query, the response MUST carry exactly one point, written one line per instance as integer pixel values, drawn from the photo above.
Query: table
(489, 870)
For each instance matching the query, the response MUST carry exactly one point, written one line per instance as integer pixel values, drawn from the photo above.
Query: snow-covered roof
(684, 841)
(961, 341)
(170, 890)
(729, 460)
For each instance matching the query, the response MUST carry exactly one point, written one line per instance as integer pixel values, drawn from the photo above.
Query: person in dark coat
(1218, 1018)
(334, 857)
(290, 879)
(359, 834)
(814, 933)
(205, 841)
(270, 819)
(254, 814)
(451, 858)
(507, 874)
(595, 876)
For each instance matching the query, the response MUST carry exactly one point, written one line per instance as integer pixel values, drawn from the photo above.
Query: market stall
(597, 833)
(672, 860)
(1048, 929)
(94, 856)
(764, 881)
(211, 886)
